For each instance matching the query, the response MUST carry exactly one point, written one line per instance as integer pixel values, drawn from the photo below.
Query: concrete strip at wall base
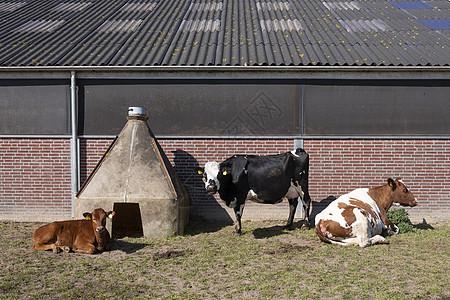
(256, 212)
(428, 216)
(252, 212)
(280, 212)
(35, 216)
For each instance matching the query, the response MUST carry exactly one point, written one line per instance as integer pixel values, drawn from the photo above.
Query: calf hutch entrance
(136, 180)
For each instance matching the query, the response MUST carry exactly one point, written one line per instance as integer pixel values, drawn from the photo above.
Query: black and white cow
(263, 179)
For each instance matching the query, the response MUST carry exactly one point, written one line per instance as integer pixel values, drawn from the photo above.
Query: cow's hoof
(57, 250)
(67, 249)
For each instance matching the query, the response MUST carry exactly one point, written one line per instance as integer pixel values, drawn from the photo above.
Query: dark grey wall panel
(34, 109)
(376, 110)
(194, 109)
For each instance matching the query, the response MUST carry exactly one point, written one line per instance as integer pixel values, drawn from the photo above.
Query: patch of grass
(264, 262)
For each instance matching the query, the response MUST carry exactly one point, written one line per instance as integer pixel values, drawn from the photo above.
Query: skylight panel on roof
(210, 6)
(39, 26)
(71, 6)
(411, 5)
(138, 6)
(281, 25)
(11, 6)
(437, 24)
(364, 25)
(200, 25)
(352, 5)
(268, 6)
(119, 25)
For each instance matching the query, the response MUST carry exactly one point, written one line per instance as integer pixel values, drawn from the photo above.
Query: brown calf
(84, 236)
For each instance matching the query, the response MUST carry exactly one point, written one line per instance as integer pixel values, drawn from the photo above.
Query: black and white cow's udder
(294, 191)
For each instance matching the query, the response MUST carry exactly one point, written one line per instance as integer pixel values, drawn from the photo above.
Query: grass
(209, 261)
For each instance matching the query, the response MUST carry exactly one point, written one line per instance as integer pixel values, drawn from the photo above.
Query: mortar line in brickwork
(288, 137)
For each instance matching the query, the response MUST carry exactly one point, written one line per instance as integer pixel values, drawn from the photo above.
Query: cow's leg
(360, 228)
(45, 238)
(307, 207)
(292, 208)
(86, 248)
(43, 246)
(306, 199)
(238, 210)
(378, 239)
(364, 241)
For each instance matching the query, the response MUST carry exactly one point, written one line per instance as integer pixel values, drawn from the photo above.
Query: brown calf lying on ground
(85, 236)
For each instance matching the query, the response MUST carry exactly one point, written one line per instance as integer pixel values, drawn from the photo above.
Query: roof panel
(411, 5)
(224, 32)
(437, 24)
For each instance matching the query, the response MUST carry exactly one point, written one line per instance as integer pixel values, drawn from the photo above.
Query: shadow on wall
(318, 206)
(200, 201)
(83, 162)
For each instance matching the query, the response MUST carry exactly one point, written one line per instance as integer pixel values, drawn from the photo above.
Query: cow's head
(210, 173)
(98, 217)
(400, 193)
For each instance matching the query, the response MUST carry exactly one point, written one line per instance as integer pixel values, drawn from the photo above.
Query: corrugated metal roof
(224, 33)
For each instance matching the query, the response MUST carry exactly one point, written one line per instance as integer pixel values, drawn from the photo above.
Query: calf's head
(210, 173)
(98, 217)
(400, 193)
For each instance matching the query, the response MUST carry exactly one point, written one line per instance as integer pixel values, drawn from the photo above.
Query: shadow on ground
(127, 247)
(268, 232)
(423, 226)
(199, 225)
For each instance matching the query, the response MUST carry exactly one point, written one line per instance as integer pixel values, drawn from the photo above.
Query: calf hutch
(362, 86)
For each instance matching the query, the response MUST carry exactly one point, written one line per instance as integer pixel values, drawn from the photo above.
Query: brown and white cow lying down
(360, 217)
(84, 236)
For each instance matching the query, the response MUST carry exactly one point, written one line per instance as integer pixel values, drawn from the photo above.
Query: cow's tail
(319, 231)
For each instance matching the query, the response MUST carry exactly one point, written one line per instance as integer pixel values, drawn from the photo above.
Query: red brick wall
(35, 173)
(91, 151)
(339, 166)
(35, 179)
(187, 154)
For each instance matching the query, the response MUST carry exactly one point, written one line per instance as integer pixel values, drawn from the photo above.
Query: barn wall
(35, 173)
(35, 179)
(339, 166)
(187, 154)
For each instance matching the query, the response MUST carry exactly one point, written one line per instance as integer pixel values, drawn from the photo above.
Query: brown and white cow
(360, 217)
(84, 236)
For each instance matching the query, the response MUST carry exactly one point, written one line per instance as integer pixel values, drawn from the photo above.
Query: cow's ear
(392, 184)
(238, 172)
(199, 170)
(110, 214)
(87, 216)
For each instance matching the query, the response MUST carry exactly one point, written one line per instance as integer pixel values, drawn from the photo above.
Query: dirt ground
(210, 261)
